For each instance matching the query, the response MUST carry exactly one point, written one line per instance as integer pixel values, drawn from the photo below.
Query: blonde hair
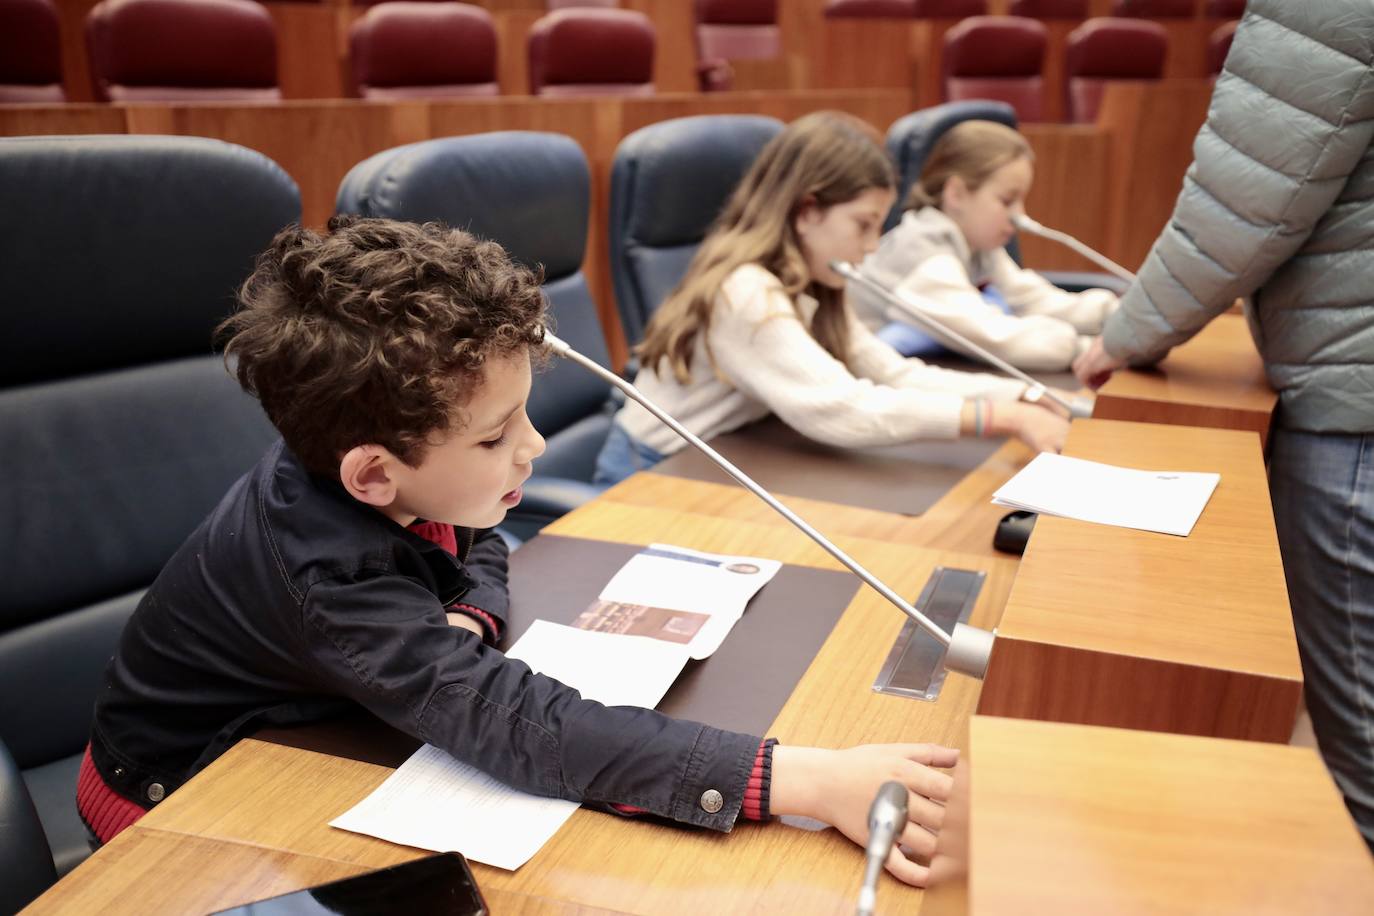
(824, 158)
(973, 150)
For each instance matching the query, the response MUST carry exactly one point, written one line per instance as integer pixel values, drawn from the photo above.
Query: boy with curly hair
(356, 565)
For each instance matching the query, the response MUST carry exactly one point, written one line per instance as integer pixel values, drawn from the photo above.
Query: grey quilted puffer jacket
(1278, 206)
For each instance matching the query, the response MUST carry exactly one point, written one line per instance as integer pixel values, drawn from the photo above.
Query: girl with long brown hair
(759, 323)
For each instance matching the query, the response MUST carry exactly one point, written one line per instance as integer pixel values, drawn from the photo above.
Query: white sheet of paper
(611, 668)
(681, 579)
(434, 802)
(1169, 502)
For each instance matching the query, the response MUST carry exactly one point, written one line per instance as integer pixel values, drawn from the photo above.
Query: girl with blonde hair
(759, 323)
(946, 259)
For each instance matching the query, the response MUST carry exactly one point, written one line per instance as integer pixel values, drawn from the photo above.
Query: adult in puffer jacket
(1278, 206)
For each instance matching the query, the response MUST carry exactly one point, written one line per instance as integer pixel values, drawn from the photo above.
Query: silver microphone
(886, 820)
(967, 649)
(1026, 224)
(1077, 407)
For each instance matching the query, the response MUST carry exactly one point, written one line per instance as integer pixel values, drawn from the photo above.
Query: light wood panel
(1076, 819)
(1217, 379)
(1112, 626)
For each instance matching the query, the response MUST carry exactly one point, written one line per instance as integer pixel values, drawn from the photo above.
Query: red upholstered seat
(182, 50)
(30, 52)
(424, 50)
(869, 9)
(1102, 50)
(568, 4)
(999, 58)
(738, 29)
(1050, 9)
(948, 9)
(1219, 45)
(592, 52)
(1155, 9)
(1224, 9)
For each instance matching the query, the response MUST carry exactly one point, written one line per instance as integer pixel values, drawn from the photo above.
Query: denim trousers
(621, 456)
(1322, 485)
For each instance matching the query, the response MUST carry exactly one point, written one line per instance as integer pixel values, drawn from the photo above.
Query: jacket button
(119, 771)
(712, 801)
(156, 793)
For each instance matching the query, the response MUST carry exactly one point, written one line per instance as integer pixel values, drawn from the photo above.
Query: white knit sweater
(927, 261)
(765, 360)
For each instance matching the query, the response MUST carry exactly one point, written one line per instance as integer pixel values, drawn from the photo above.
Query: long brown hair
(824, 158)
(973, 150)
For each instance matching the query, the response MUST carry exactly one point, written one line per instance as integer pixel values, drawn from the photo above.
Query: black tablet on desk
(435, 885)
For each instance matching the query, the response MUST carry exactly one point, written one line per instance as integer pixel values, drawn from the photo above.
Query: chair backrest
(669, 181)
(737, 29)
(999, 58)
(1050, 9)
(531, 193)
(948, 9)
(569, 4)
(1155, 9)
(869, 9)
(1219, 45)
(182, 50)
(123, 427)
(592, 52)
(26, 866)
(30, 52)
(1224, 9)
(424, 50)
(1107, 49)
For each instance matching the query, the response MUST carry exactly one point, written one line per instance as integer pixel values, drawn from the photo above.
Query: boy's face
(473, 478)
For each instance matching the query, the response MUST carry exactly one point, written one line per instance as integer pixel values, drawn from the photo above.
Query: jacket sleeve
(486, 563)
(1289, 121)
(383, 642)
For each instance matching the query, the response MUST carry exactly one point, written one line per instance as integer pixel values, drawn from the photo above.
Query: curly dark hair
(376, 333)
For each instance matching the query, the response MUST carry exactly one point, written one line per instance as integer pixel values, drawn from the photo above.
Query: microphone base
(970, 650)
(1081, 407)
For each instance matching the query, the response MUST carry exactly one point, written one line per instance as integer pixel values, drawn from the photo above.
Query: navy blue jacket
(292, 602)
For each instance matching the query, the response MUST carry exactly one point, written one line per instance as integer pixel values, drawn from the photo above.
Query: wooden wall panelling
(1070, 192)
(1152, 126)
(312, 50)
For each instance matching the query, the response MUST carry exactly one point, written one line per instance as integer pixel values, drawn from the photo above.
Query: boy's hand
(838, 787)
(1095, 365)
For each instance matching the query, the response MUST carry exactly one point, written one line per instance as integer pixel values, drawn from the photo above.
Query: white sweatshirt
(765, 360)
(926, 259)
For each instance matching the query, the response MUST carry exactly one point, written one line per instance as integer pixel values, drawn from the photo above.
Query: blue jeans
(621, 456)
(1322, 485)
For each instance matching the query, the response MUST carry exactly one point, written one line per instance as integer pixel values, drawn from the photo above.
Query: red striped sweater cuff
(103, 810)
(760, 782)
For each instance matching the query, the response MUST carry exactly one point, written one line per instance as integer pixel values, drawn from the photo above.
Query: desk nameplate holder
(913, 667)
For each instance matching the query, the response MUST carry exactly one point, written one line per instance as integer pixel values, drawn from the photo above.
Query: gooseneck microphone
(1077, 407)
(886, 820)
(1026, 224)
(967, 649)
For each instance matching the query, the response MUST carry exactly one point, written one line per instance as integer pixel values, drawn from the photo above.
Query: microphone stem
(748, 483)
(849, 272)
(868, 892)
(1093, 255)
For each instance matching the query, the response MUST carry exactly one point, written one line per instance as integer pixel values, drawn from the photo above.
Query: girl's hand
(1040, 429)
(838, 787)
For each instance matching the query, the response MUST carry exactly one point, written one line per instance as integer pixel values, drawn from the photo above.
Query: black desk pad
(741, 687)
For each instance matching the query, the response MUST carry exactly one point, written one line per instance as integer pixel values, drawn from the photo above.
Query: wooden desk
(270, 804)
(1216, 379)
(1077, 819)
(1112, 626)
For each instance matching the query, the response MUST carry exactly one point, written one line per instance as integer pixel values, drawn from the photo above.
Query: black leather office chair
(910, 140)
(120, 428)
(668, 183)
(531, 193)
(26, 868)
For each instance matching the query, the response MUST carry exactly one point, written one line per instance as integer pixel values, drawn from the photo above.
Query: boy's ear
(366, 472)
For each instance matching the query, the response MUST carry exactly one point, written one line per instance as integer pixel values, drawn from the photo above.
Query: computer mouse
(1013, 531)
